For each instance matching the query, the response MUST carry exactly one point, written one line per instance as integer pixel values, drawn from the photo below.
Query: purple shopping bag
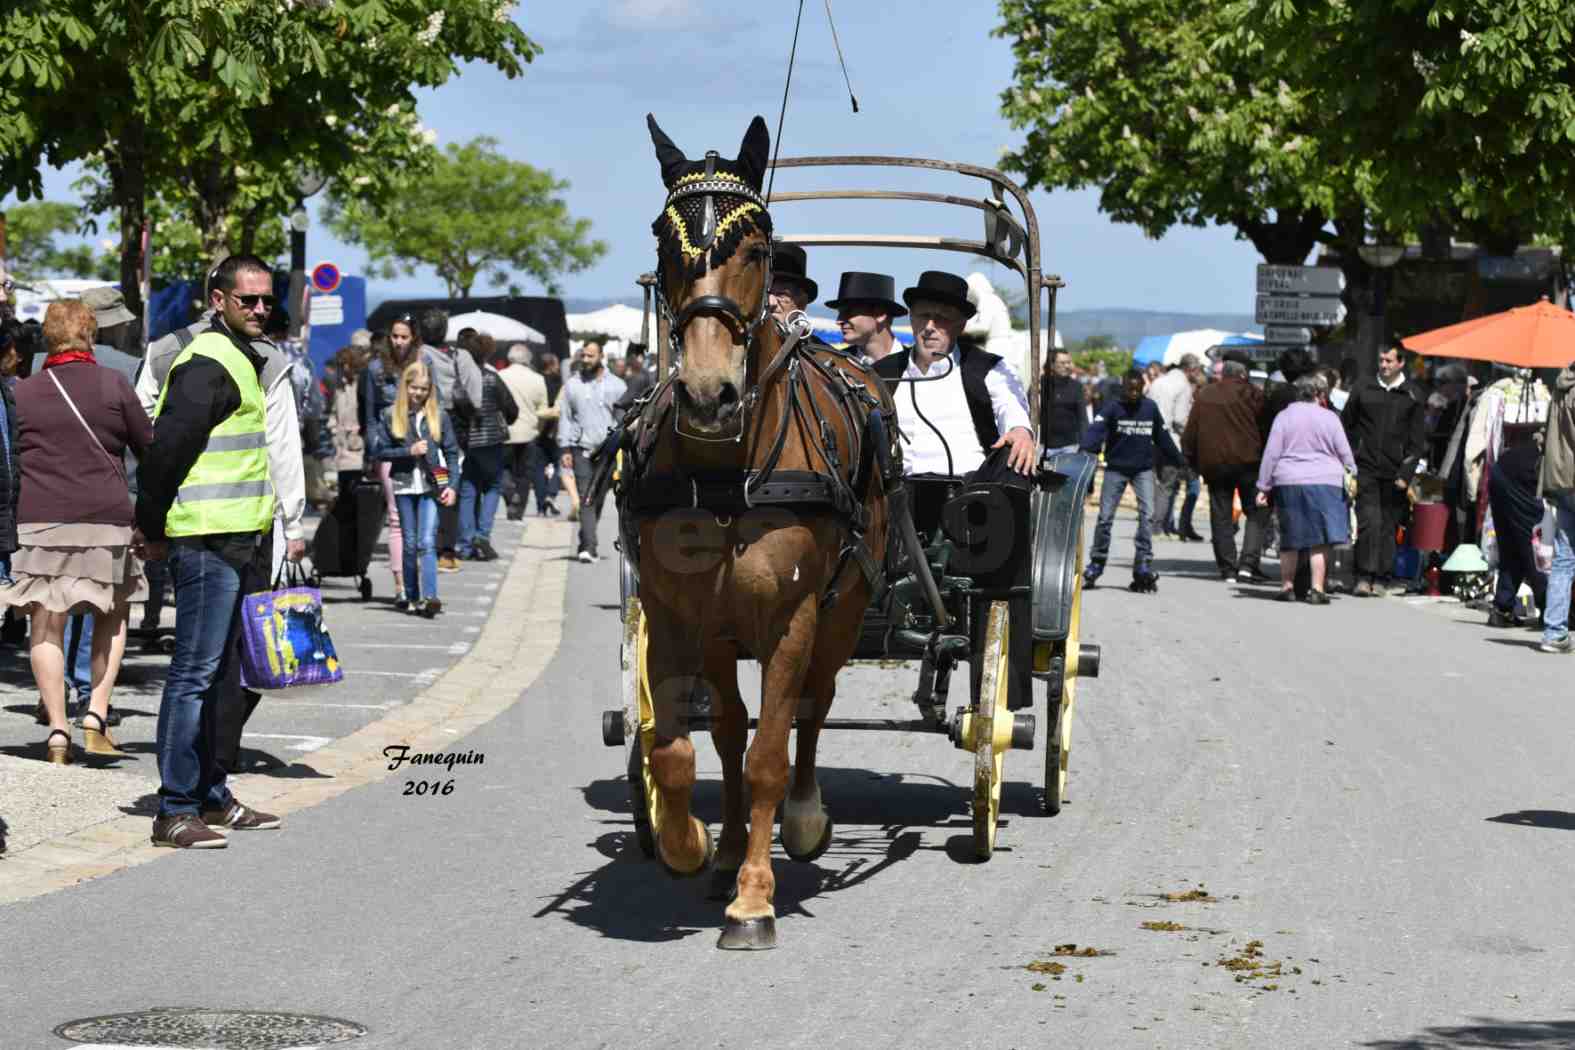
(283, 640)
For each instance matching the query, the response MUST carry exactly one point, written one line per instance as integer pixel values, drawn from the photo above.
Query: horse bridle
(709, 186)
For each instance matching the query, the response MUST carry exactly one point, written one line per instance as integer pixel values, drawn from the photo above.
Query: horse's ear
(755, 152)
(669, 156)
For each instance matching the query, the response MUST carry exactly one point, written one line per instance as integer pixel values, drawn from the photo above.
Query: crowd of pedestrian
(1326, 469)
(189, 465)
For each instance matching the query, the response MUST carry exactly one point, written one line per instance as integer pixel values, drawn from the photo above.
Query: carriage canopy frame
(1010, 239)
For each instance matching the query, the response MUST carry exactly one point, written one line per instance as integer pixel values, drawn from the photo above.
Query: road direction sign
(1299, 280)
(1277, 333)
(325, 278)
(1293, 310)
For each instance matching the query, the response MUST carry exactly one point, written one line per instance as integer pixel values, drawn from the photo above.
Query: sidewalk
(408, 681)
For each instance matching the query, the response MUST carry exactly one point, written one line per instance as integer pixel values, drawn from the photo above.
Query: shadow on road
(1537, 818)
(1517, 643)
(1486, 1032)
(880, 821)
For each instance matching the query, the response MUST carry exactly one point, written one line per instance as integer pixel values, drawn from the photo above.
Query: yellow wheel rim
(989, 744)
(1069, 680)
(639, 713)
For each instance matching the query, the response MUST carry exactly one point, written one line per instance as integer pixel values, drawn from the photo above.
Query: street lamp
(307, 184)
(1383, 257)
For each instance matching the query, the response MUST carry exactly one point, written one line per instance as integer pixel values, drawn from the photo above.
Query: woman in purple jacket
(1305, 465)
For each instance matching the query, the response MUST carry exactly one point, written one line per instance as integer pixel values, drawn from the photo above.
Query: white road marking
(315, 703)
(431, 672)
(312, 743)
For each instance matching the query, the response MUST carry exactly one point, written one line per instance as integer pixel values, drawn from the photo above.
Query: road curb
(520, 636)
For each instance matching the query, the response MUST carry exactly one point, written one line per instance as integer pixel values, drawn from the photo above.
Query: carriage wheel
(639, 721)
(1062, 699)
(991, 729)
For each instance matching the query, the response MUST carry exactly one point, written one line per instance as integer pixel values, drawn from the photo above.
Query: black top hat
(875, 288)
(790, 264)
(939, 287)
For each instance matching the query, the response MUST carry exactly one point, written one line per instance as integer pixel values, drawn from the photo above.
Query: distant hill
(1127, 327)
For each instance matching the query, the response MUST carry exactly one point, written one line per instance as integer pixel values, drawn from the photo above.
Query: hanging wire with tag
(838, 44)
(792, 58)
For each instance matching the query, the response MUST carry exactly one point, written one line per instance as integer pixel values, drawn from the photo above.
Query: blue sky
(927, 74)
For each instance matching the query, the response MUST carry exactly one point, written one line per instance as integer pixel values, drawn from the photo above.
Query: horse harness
(731, 492)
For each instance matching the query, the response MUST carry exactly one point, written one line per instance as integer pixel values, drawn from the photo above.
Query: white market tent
(33, 299)
(617, 321)
(503, 329)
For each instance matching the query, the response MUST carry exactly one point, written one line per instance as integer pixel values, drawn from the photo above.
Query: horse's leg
(751, 918)
(730, 733)
(683, 844)
(806, 827)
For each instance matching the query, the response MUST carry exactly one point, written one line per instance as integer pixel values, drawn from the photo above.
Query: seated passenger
(791, 289)
(967, 414)
(866, 307)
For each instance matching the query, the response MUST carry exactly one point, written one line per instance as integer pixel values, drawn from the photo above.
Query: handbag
(284, 641)
(1542, 538)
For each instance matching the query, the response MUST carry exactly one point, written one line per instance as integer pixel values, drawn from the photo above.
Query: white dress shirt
(943, 403)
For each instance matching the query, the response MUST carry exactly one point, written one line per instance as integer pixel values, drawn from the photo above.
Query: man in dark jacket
(1133, 435)
(1223, 442)
(1385, 422)
(1062, 422)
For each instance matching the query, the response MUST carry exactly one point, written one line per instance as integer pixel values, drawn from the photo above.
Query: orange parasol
(1538, 336)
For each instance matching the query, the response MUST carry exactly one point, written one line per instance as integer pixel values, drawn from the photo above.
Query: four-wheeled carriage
(983, 574)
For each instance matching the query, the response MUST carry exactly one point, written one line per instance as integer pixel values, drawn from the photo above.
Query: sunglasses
(250, 302)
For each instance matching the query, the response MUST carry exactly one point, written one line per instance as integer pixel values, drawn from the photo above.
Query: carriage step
(1088, 660)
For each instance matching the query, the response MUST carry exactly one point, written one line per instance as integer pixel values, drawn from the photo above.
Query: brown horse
(759, 491)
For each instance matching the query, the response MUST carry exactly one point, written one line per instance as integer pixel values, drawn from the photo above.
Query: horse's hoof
(724, 885)
(705, 861)
(815, 852)
(748, 935)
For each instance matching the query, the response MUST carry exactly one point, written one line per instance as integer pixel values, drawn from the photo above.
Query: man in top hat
(963, 409)
(866, 306)
(791, 289)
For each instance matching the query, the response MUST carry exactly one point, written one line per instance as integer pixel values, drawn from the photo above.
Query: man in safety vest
(205, 501)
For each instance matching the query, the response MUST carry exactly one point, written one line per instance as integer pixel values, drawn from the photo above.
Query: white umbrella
(503, 329)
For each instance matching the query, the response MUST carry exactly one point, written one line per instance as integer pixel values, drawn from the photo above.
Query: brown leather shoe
(238, 817)
(186, 831)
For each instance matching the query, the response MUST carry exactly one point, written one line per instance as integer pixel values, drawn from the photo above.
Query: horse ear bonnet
(669, 156)
(755, 153)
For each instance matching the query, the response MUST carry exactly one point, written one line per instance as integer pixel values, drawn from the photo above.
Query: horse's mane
(677, 229)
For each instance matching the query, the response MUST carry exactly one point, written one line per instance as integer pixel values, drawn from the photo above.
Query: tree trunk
(128, 186)
(1289, 239)
(213, 195)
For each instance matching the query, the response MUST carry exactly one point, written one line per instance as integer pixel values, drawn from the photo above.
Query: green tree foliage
(1133, 97)
(33, 250)
(224, 102)
(511, 220)
(1456, 112)
(1088, 354)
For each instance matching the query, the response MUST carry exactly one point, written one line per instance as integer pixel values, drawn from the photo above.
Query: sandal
(59, 754)
(98, 741)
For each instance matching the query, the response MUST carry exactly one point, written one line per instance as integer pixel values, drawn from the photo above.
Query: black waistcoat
(976, 364)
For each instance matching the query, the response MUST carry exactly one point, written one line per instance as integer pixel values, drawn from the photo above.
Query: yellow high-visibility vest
(228, 488)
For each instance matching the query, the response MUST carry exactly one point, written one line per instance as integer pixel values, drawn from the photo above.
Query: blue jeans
(207, 600)
(79, 668)
(1110, 493)
(1556, 616)
(418, 522)
(480, 489)
(1189, 504)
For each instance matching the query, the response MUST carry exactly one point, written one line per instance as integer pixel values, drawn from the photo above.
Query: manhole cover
(212, 1029)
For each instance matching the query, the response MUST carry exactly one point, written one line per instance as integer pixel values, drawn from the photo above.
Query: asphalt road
(1373, 796)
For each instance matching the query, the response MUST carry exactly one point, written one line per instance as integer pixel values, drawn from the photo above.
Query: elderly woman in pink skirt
(75, 420)
(1304, 466)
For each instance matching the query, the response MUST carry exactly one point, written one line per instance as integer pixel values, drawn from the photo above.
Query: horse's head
(714, 269)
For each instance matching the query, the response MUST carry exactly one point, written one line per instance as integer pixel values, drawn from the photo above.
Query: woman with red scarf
(75, 421)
